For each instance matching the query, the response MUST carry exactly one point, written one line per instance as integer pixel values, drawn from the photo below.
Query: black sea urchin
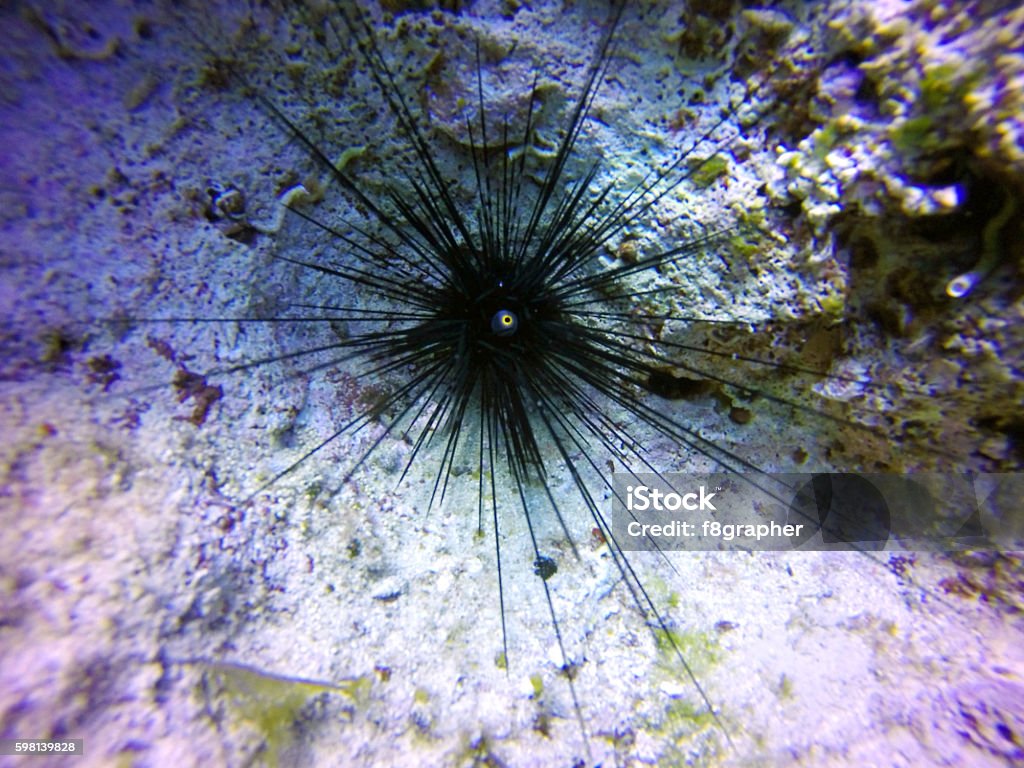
(499, 318)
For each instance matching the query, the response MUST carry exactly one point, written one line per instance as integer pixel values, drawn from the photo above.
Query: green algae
(537, 684)
(709, 170)
(700, 649)
(273, 706)
(743, 247)
(833, 304)
(915, 134)
(685, 722)
(682, 714)
(946, 85)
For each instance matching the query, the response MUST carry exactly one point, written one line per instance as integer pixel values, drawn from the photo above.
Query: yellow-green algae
(271, 705)
(708, 171)
(686, 722)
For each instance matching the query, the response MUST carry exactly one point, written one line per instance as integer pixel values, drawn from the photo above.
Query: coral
(992, 577)
(909, 151)
(916, 88)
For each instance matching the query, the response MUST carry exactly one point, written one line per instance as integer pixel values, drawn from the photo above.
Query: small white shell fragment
(947, 197)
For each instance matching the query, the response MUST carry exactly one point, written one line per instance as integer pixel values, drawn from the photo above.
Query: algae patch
(700, 649)
(274, 708)
(708, 171)
(686, 723)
